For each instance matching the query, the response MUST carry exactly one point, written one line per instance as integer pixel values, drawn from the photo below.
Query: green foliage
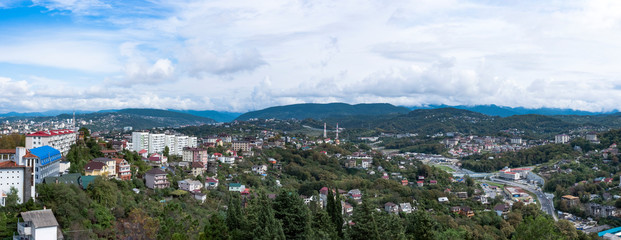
(12, 198)
(537, 228)
(420, 226)
(12, 140)
(215, 229)
(366, 224)
(333, 206)
(531, 156)
(261, 221)
(294, 215)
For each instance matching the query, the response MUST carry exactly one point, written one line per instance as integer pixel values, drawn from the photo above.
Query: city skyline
(242, 56)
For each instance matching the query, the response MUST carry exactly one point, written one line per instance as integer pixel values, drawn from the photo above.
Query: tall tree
(290, 210)
(365, 223)
(234, 217)
(12, 198)
(137, 225)
(215, 229)
(537, 228)
(322, 227)
(261, 220)
(334, 208)
(420, 226)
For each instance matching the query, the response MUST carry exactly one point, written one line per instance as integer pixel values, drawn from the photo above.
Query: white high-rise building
(562, 138)
(59, 139)
(140, 140)
(157, 142)
(170, 142)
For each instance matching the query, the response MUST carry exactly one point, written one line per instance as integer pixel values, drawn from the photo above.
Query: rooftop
(50, 133)
(40, 218)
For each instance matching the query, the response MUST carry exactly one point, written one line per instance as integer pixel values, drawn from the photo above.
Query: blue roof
(46, 154)
(611, 231)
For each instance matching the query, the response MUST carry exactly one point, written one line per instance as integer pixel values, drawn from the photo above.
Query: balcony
(24, 229)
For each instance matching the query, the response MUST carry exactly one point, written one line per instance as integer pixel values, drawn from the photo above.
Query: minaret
(325, 133)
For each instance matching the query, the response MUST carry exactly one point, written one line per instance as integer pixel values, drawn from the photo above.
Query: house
(157, 159)
(259, 169)
(433, 182)
(405, 207)
(443, 199)
(110, 163)
(466, 211)
(190, 185)
(236, 187)
(197, 168)
(356, 195)
(455, 209)
(571, 201)
(603, 211)
(502, 209)
(462, 195)
(38, 224)
(109, 153)
(156, 179)
(94, 168)
(420, 183)
(390, 207)
(404, 182)
(347, 209)
(18, 177)
(123, 169)
(211, 183)
(200, 197)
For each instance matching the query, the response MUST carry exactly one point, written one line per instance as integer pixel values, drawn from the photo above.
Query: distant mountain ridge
(502, 111)
(322, 111)
(215, 115)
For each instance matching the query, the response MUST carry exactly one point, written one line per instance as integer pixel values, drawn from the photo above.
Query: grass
(444, 168)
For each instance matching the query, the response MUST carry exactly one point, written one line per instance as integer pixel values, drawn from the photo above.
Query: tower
(337, 134)
(325, 133)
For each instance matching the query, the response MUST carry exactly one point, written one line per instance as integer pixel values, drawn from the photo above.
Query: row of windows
(11, 177)
(9, 184)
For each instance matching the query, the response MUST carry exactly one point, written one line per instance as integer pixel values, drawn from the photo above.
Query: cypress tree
(262, 223)
(334, 209)
(294, 215)
(366, 224)
(234, 216)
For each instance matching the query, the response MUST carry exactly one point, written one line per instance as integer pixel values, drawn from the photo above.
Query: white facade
(11, 177)
(563, 138)
(190, 185)
(58, 139)
(509, 175)
(157, 143)
(140, 140)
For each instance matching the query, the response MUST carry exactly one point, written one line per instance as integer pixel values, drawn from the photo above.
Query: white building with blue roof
(47, 163)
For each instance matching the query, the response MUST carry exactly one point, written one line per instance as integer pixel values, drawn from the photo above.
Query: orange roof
(118, 160)
(30, 155)
(9, 164)
(7, 151)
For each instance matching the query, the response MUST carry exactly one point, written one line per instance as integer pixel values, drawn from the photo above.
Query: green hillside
(322, 111)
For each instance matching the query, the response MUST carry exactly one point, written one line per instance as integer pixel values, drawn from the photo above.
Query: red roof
(29, 155)
(7, 151)
(143, 151)
(9, 164)
(50, 133)
(211, 180)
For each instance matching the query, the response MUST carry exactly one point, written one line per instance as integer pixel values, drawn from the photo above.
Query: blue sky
(245, 55)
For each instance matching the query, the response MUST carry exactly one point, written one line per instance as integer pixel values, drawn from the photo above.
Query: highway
(547, 205)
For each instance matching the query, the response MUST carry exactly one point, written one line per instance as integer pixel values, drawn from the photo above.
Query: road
(547, 205)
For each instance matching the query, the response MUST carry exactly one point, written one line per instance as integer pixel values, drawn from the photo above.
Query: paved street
(547, 205)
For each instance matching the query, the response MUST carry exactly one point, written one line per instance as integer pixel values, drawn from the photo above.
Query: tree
(166, 151)
(334, 211)
(365, 223)
(263, 224)
(234, 218)
(537, 228)
(420, 226)
(138, 225)
(12, 199)
(215, 229)
(291, 211)
(322, 227)
(103, 192)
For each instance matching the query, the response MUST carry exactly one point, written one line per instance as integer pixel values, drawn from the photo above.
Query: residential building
(390, 207)
(38, 225)
(600, 211)
(7, 155)
(211, 183)
(95, 168)
(158, 159)
(110, 163)
(244, 146)
(18, 177)
(561, 138)
(140, 141)
(157, 143)
(123, 169)
(236, 187)
(59, 139)
(405, 207)
(570, 201)
(191, 154)
(156, 179)
(46, 161)
(197, 168)
(190, 185)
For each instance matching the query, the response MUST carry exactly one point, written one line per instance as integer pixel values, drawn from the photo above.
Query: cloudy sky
(245, 55)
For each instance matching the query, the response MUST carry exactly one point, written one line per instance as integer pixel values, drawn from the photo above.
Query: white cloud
(231, 55)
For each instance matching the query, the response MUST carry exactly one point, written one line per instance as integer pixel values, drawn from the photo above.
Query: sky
(239, 56)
